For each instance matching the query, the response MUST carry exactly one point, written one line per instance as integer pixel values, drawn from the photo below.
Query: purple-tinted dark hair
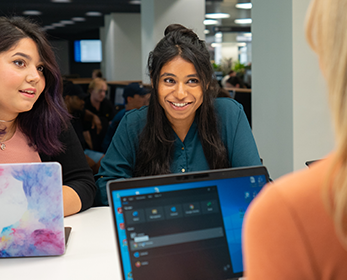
(48, 118)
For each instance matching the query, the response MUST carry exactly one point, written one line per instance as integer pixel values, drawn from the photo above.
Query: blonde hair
(95, 82)
(326, 33)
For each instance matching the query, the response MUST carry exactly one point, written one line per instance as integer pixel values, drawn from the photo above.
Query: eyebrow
(23, 54)
(169, 74)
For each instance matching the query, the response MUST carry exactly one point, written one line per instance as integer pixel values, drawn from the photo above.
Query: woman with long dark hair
(34, 123)
(184, 127)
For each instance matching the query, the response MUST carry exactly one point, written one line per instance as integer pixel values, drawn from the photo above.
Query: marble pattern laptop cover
(31, 210)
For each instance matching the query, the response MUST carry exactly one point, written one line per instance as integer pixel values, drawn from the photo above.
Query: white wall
(291, 122)
(158, 14)
(147, 35)
(122, 35)
(313, 133)
(272, 87)
(230, 50)
(188, 13)
(108, 37)
(103, 40)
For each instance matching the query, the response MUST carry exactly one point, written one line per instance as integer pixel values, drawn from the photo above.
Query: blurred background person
(98, 104)
(223, 93)
(135, 96)
(96, 74)
(235, 82)
(230, 74)
(74, 100)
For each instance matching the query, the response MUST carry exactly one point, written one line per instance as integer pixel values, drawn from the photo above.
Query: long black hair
(156, 141)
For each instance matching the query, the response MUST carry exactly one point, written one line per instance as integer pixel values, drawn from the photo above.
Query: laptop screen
(189, 229)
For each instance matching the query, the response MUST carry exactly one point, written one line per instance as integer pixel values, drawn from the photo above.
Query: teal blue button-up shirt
(236, 134)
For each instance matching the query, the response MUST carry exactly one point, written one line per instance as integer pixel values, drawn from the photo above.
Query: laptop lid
(31, 210)
(183, 226)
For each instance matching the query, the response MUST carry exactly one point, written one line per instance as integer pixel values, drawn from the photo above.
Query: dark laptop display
(185, 226)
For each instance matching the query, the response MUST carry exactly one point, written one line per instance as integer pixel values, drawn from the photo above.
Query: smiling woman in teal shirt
(184, 128)
(235, 132)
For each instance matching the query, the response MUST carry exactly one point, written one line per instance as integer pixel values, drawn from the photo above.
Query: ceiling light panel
(78, 19)
(58, 24)
(67, 22)
(245, 6)
(217, 15)
(210, 22)
(32, 13)
(61, 1)
(93, 14)
(243, 21)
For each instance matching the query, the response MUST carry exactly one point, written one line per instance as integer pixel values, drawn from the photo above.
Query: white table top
(91, 253)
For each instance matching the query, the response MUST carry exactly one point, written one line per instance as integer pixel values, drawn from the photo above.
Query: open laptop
(31, 210)
(183, 226)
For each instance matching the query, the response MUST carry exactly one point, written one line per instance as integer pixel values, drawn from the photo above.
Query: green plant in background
(227, 64)
(239, 67)
(216, 67)
(224, 66)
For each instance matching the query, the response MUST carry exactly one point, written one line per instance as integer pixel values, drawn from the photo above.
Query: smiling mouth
(180, 104)
(27, 91)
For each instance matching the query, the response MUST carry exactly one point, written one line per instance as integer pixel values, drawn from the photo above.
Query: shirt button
(182, 148)
(183, 170)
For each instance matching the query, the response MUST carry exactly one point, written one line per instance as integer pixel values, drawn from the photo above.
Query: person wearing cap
(74, 100)
(74, 97)
(135, 96)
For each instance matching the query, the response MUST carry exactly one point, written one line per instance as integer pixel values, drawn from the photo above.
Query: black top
(76, 172)
(77, 124)
(106, 110)
(106, 114)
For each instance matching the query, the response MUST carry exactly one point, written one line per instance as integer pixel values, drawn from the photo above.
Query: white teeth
(179, 104)
(28, 91)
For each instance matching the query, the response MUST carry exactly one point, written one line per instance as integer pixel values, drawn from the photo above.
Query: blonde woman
(297, 227)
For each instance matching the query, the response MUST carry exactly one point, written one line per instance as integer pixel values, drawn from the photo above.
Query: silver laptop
(183, 226)
(31, 210)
